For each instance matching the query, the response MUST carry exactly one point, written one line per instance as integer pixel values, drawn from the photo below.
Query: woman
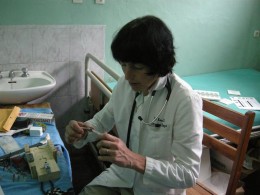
(157, 116)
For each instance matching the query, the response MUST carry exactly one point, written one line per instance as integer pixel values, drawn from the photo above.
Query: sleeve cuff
(90, 138)
(149, 166)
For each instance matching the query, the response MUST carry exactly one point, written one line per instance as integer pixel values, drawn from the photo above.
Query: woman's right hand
(75, 131)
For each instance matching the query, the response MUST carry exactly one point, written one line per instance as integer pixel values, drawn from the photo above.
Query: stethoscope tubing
(168, 87)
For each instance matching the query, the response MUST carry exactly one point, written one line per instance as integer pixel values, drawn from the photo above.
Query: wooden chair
(239, 139)
(235, 149)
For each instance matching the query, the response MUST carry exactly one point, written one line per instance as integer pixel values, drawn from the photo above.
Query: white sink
(24, 89)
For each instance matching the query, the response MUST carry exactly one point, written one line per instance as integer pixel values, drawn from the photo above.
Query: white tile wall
(60, 50)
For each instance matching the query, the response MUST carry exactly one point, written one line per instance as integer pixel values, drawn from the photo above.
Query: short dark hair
(146, 40)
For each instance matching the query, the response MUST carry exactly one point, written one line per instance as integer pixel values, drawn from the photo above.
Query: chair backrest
(239, 139)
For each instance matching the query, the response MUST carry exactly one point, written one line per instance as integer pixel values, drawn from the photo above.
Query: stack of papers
(247, 103)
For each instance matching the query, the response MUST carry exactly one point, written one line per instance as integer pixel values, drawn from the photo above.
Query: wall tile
(50, 44)
(59, 50)
(86, 39)
(16, 45)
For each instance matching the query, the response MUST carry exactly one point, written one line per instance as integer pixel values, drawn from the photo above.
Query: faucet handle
(24, 69)
(25, 72)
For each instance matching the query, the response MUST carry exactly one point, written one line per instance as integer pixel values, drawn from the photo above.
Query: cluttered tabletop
(33, 158)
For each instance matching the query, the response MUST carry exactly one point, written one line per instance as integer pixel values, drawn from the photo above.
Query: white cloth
(172, 150)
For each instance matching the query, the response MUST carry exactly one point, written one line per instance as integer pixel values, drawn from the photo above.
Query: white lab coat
(172, 151)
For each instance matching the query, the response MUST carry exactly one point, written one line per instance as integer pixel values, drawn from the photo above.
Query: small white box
(36, 131)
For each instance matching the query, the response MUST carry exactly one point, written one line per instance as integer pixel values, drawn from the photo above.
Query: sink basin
(21, 90)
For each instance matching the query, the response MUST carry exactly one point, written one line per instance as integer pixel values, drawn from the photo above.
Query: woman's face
(136, 75)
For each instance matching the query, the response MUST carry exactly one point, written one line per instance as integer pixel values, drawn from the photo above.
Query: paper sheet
(8, 144)
(233, 92)
(247, 103)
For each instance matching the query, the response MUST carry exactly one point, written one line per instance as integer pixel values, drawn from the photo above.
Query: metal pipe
(94, 78)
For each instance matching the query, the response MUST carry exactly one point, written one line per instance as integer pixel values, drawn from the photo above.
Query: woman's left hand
(114, 150)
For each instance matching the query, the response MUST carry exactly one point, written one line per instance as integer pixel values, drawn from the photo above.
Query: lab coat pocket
(160, 141)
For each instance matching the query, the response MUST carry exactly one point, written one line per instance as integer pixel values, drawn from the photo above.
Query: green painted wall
(209, 34)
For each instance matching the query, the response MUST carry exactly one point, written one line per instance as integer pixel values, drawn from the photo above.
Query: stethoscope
(169, 90)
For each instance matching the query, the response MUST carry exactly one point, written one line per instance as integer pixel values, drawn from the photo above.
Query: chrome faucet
(24, 73)
(12, 73)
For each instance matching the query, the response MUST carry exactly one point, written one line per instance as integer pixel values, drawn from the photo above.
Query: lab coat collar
(160, 84)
